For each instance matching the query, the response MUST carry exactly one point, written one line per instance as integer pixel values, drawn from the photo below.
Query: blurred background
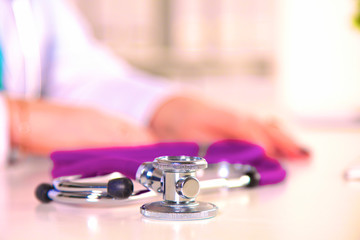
(174, 37)
(304, 53)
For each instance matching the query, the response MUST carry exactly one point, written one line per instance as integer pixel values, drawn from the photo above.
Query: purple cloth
(126, 160)
(235, 151)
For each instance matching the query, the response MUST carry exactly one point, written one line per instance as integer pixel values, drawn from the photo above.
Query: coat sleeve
(86, 73)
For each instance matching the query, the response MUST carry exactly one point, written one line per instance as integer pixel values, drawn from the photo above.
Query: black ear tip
(41, 192)
(254, 177)
(120, 187)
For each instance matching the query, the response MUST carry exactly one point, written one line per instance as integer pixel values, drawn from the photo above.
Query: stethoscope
(179, 179)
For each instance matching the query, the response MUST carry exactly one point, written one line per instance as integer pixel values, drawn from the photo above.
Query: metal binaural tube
(98, 199)
(71, 186)
(216, 176)
(115, 187)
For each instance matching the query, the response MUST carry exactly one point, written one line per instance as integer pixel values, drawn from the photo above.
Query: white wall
(319, 57)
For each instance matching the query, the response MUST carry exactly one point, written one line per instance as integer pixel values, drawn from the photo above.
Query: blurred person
(63, 90)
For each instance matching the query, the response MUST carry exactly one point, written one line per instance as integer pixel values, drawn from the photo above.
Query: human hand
(185, 119)
(41, 127)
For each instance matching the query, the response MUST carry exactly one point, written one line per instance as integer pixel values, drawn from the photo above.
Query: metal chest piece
(180, 188)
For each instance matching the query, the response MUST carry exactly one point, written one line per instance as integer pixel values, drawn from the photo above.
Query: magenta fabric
(126, 160)
(235, 151)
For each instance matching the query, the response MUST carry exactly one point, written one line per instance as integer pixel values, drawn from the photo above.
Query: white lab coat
(74, 68)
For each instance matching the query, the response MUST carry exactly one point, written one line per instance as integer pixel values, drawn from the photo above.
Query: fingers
(257, 135)
(281, 143)
(285, 145)
(275, 142)
(270, 136)
(224, 125)
(189, 120)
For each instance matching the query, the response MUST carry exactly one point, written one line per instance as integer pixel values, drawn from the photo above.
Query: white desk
(313, 203)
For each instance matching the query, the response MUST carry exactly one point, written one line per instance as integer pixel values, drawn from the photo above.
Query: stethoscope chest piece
(180, 187)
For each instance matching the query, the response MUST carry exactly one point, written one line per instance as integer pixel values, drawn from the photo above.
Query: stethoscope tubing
(119, 191)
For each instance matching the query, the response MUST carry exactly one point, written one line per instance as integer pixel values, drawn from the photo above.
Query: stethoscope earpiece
(120, 188)
(42, 191)
(117, 188)
(254, 176)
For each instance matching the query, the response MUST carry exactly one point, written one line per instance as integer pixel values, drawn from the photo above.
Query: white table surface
(314, 202)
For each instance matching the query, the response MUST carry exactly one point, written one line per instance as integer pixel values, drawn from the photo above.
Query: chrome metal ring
(179, 163)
